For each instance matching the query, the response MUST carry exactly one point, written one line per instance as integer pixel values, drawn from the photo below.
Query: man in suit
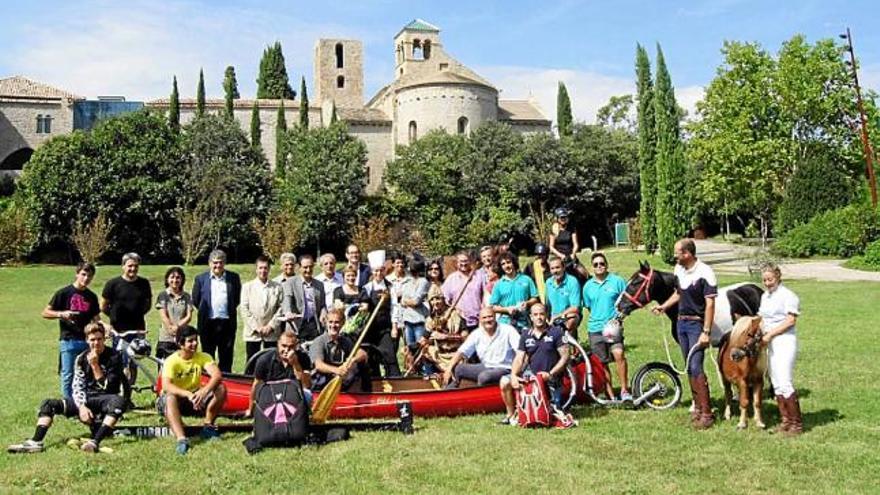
(216, 294)
(353, 255)
(304, 302)
(261, 313)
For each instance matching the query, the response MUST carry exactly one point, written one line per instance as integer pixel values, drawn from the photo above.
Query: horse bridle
(642, 290)
(750, 348)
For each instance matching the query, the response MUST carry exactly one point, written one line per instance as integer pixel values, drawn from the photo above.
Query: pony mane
(739, 334)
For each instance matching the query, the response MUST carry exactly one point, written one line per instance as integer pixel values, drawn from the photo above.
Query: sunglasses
(434, 269)
(598, 264)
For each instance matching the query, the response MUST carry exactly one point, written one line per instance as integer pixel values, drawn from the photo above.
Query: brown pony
(743, 361)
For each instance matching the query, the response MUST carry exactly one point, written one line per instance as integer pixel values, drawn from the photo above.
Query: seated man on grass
(542, 351)
(97, 381)
(288, 362)
(183, 393)
(329, 353)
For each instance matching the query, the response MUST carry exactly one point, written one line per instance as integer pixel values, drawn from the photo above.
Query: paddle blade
(326, 399)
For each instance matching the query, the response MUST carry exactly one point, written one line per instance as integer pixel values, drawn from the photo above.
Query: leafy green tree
(256, 133)
(617, 113)
(230, 91)
(225, 176)
(126, 167)
(323, 180)
(200, 95)
(564, 119)
(303, 104)
(174, 108)
(674, 210)
(647, 150)
(280, 129)
(272, 81)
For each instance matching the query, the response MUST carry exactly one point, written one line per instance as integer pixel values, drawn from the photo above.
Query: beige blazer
(261, 305)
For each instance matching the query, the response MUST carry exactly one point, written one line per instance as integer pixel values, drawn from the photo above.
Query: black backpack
(281, 416)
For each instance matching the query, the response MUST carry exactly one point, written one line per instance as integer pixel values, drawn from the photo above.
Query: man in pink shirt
(471, 300)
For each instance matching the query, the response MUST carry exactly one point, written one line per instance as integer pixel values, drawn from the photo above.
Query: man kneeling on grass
(183, 393)
(97, 381)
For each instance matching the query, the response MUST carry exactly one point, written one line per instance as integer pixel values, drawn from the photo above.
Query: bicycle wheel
(668, 385)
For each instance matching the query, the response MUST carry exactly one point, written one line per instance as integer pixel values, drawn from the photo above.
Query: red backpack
(532, 404)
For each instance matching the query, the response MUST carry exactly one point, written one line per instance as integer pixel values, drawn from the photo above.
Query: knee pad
(115, 407)
(51, 407)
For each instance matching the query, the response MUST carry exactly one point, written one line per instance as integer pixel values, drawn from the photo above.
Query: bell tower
(339, 72)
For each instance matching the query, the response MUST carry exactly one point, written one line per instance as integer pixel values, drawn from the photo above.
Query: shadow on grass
(822, 417)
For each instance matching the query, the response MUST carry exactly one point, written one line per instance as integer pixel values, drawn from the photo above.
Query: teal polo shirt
(563, 295)
(510, 292)
(599, 298)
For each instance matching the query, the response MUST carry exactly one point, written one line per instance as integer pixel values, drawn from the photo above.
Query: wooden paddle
(448, 313)
(327, 398)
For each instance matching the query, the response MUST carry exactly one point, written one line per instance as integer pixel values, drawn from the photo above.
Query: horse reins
(643, 289)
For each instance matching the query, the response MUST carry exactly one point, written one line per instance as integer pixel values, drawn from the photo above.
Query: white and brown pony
(743, 362)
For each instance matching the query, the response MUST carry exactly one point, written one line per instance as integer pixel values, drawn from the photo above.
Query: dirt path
(733, 259)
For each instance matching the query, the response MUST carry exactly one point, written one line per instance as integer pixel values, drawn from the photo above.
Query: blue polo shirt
(510, 292)
(543, 351)
(599, 298)
(561, 296)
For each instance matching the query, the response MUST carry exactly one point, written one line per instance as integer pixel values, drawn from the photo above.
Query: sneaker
(89, 446)
(626, 397)
(509, 421)
(27, 447)
(182, 447)
(210, 433)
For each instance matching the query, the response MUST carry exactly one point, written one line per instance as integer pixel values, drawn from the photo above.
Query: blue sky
(134, 47)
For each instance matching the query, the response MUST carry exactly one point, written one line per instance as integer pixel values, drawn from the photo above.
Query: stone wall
(441, 106)
(18, 123)
(379, 151)
(327, 73)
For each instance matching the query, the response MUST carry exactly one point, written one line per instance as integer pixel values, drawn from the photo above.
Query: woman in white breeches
(780, 308)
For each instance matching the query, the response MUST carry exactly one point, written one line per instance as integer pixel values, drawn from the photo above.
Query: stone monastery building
(431, 90)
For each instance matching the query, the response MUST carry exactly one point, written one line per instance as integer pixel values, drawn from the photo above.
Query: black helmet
(541, 249)
(562, 212)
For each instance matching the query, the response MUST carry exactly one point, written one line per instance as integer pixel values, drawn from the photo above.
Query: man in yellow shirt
(182, 391)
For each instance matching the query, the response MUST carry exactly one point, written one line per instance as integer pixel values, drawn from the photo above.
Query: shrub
(817, 186)
(92, 239)
(17, 233)
(872, 254)
(843, 233)
(279, 233)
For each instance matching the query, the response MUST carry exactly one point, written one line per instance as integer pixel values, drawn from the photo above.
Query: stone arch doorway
(16, 160)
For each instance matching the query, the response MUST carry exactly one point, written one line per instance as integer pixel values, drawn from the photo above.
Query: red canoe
(427, 397)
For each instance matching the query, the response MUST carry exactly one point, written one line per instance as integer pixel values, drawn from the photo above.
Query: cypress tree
(200, 95)
(272, 81)
(647, 147)
(174, 108)
(230, 89)
(333, 117)
(280, 129)
(673, 204)
(303, 104)
(564, 119)
(256, 133)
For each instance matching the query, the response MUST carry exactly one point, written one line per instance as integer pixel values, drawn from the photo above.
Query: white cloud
(869, 77)
(133, 49)
(587, 90)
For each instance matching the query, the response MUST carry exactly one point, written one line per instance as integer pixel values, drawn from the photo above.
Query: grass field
(613, 450)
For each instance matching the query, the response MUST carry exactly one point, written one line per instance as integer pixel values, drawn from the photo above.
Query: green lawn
(613, 451)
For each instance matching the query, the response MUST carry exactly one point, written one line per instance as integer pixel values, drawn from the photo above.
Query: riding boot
(784, 415)
(706, 420)
(796, 425)
(695, 410)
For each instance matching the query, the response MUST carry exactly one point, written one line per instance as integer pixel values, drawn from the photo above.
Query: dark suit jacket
(295, 302)
(201, 297)
(364, 274)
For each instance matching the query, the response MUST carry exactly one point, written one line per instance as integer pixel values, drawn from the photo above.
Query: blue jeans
(412, 333)
(688, 335)
(69, 350)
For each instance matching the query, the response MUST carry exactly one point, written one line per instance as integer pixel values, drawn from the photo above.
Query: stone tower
(339, 73)
(414, 47)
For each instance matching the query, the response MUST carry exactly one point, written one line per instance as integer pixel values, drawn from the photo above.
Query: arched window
(339, 59)
(426, 49)
(413, 131)
(39, 123)
(463, 126)
(340, 82)
(417, 53)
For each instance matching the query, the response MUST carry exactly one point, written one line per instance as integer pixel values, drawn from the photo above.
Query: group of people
(486, 322)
